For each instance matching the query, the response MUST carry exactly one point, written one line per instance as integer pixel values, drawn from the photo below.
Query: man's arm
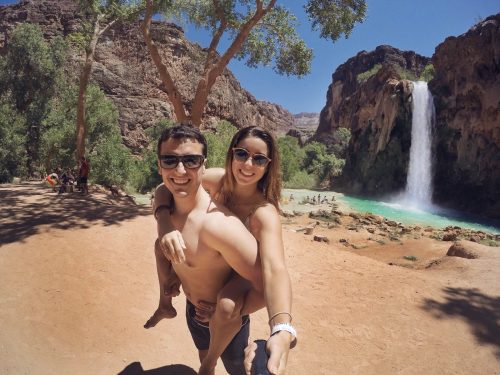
(228, 236)
(171, 242)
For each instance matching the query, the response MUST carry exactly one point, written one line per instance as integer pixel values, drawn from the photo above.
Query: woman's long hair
(270, 184)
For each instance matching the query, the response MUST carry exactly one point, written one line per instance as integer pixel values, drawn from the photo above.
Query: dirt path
(78, 282)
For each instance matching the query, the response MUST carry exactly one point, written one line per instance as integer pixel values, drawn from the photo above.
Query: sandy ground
(78, 281)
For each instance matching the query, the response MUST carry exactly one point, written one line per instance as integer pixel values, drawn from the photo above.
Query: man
(216, 241)
(83, 175)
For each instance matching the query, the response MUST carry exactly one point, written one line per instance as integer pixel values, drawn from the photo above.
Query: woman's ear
(159, 167)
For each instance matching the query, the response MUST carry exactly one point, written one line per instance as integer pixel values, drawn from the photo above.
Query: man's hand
(172, 246)
(204, 311)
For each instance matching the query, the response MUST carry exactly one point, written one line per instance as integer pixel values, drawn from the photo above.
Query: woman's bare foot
(161, 313)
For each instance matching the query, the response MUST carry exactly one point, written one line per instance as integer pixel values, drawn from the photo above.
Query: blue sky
(418, 25)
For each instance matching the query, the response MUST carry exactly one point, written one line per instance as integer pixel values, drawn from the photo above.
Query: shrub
(428, 73)
(363, 77)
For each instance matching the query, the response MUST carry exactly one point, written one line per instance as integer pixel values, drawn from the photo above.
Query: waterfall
(419, 180)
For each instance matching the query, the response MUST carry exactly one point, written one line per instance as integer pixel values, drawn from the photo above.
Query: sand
(78, 281)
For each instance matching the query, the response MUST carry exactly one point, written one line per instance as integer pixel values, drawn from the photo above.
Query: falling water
(419, 181)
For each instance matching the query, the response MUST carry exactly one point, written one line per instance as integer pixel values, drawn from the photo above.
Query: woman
(250, 187)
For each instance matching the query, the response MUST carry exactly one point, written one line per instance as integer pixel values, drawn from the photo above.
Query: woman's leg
(169, 287)
(227, 319)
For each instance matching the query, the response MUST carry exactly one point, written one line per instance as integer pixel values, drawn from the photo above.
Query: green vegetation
(261, 33)
(428, 73)
(406, 74)
(40, 104)
(310, 166)
(218, 143)
(363, 77)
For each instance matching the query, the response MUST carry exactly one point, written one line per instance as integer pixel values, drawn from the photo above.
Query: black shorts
(233, 355)
(83, 180)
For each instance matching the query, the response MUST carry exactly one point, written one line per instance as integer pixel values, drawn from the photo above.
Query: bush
(218, 143)
(13, 155)
(111, 163)
(291, 156)
(428, 73)
(363, 77)
(301, 180)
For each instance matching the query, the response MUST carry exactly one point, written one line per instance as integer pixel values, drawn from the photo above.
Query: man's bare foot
(161, 313)
(206, 369)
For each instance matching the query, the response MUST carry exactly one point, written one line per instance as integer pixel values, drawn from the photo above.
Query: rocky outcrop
(305, 125)
(370, 96)
(466, 91)
(124, 70)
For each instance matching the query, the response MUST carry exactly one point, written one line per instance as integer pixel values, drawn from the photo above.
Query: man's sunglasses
(242, 154)
(188, 161)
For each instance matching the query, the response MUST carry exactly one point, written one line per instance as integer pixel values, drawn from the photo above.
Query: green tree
(340, 142)
(99, 16)
(29, 75)
(111, 162)
(262, 31)
(218, 143)
(291, 156)
(12, 143)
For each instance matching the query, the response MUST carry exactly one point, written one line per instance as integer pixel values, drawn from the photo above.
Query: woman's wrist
(285, 330)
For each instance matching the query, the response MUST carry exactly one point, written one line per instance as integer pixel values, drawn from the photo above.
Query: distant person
(314, 200)
(291, 197)
(83, 175)
(53, 179)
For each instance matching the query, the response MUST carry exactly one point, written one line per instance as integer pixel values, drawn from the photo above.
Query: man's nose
(180, 168)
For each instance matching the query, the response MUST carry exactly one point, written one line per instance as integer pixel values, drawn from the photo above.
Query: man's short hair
(182, 131)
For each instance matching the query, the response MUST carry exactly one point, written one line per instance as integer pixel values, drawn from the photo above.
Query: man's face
(181, 181)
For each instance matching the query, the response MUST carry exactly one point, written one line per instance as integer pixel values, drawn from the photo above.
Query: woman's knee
(228, 309)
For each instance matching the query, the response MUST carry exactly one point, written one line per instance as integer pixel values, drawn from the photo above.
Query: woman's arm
(266, 227)
(212, 180)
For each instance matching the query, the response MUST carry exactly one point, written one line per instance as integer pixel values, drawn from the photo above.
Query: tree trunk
(81, 126)
(214, 69)
(172, 92)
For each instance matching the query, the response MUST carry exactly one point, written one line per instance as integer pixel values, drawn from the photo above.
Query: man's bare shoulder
(218, 215)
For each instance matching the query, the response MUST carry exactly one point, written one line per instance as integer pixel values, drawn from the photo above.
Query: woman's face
(247, 171)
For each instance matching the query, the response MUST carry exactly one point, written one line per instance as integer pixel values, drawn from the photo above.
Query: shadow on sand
(28, 206)
(135, 368)
(480, 311)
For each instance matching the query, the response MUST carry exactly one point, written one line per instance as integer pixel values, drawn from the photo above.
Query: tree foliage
(218, 143)
(29, 75)
(259, 32)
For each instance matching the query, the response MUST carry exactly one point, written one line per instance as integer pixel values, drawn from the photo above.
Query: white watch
(285, 327)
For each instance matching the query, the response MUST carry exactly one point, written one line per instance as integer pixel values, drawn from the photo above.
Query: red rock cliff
(466, 91)
(127, 75)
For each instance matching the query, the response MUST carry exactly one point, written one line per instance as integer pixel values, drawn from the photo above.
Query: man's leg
(169, 286)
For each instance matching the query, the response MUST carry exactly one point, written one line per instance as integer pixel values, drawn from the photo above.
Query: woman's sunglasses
(188, 161)
(242, 154)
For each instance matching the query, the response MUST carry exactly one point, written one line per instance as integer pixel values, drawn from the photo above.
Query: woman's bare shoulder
(264, 213)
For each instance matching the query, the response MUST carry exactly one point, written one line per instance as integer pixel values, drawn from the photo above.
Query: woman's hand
(172, 246)
(277, 348)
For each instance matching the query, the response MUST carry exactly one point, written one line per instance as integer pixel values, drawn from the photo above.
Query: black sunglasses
(242, 154)
(188, 161)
